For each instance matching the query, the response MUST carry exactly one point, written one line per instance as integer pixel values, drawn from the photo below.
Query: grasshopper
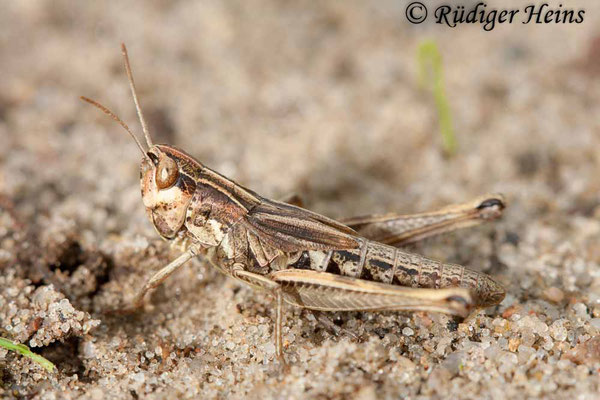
(303, 258)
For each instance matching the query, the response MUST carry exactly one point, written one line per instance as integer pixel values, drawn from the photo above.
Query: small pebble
(525, 353)
(269, 348)
(554, 294)
(587, 352)
(139, 377)
(558, 331)
(581, 311)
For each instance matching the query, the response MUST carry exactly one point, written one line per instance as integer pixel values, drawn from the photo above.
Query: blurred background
(320, 99)
(335, 101)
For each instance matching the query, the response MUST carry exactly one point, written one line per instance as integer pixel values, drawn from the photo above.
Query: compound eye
(166, 173)
(153, 157)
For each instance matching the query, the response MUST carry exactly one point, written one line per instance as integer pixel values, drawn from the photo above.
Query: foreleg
(157, 279)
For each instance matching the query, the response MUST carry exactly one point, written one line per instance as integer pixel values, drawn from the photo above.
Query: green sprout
(24, 351)
(430, 70)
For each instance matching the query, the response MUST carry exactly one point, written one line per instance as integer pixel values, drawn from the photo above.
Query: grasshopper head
(166, 189)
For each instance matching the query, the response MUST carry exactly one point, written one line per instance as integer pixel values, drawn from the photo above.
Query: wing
(292, 228)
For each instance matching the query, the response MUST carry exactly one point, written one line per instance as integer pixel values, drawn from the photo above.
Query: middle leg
(264, 283)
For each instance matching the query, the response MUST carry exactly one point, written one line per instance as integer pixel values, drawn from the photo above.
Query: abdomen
(382, 263)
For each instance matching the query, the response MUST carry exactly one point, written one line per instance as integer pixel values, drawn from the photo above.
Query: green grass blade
(431, 70)
(24, 350)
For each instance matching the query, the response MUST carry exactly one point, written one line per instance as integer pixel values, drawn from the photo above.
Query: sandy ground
(286, 97)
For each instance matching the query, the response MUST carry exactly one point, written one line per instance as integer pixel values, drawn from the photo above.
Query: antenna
(135, 98)
(113, 116)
